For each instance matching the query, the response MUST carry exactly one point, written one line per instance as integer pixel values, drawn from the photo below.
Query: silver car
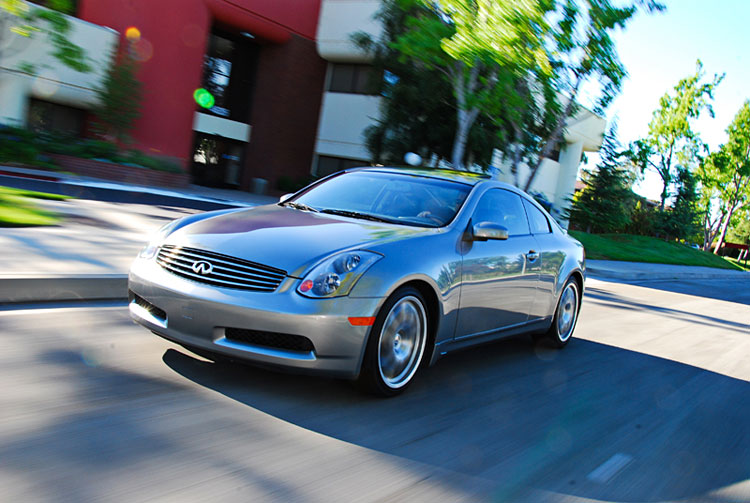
(368, 274)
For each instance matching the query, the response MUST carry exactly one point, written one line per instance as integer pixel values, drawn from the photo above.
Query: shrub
(156, 163)
(18, 145)
(98, 149)
(26, 147)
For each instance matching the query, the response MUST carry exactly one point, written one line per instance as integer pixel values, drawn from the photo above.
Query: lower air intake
(275, 340)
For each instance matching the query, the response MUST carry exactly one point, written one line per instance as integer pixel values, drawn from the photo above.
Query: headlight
(154, 243)
(149, 250)
(336, 275)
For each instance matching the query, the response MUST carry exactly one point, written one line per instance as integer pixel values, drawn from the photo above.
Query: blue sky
(660, 49)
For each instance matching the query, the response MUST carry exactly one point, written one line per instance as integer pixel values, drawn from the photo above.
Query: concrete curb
(62, 287)
(604, 272)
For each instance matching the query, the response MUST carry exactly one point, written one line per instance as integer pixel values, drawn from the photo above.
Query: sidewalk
(638, 271)
(88, 256)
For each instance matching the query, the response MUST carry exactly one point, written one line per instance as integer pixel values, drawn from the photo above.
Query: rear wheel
(396, 345)
(566, 315)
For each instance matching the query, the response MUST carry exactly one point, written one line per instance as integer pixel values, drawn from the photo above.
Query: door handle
(532, 256)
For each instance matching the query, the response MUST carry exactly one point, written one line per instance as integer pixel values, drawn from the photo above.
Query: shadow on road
(730, 290)
(613, 300)
(522, 418)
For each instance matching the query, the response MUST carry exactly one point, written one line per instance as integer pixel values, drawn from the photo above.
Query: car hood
(287, 238)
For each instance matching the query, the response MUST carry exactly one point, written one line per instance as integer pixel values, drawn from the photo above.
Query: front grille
(226, 271)
(270, 339)
(152, 309)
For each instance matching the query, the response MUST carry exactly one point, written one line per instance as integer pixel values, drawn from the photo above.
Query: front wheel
(566, 315)
(396, 344)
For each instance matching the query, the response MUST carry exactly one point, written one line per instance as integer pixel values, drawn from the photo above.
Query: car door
(499, 277)
(549, 263)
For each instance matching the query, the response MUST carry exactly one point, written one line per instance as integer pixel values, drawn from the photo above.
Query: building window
(555, 154)
(53, 117)
(217, 161)
(356, 79)
(228, 74)
(327, 164)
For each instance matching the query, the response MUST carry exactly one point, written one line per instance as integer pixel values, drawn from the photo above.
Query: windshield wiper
(299, 206)
(356, 214)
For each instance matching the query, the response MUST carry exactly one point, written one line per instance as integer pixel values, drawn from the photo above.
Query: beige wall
(338, 20)
(53, 81)
(343, 120)
(343, 116)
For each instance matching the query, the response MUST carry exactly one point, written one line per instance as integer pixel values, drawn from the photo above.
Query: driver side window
(505, 208)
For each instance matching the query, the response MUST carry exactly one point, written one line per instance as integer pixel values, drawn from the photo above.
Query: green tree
(470, 42)
(20, 20)
(583, 53)
(671, 141)
(682, 219)
(417, 114)
(119, 98)
(515, 66)
(606, 203)
(726, 179)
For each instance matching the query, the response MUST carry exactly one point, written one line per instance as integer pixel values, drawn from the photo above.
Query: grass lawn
(631, 248)
(740, 263)
(17, 208)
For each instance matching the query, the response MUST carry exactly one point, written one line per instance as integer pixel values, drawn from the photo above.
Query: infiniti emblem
(202, 267)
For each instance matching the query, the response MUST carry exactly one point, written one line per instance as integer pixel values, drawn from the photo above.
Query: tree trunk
(666, 176)
(739, 186)
(465, 121)
(664, 195)
(554, 137)
(516, 155)
(711, 232)
(465, 116)
(724, 227)
(707, 226)
(713, 227)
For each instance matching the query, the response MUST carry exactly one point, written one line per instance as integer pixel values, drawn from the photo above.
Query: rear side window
(538, 222)
(502, 207)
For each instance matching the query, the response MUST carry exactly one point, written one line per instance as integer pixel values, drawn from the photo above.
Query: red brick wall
(120, 173)
(285, 110)
(174, 35)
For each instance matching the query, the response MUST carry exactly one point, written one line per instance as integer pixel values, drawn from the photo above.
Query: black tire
(397, 343)
(566, 316)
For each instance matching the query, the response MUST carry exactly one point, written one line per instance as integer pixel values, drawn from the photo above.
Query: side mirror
(483, 231)
(285, 197)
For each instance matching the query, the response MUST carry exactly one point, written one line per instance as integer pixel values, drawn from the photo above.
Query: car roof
(466, 177)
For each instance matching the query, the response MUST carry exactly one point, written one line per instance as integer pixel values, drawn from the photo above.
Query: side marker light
(362, 321)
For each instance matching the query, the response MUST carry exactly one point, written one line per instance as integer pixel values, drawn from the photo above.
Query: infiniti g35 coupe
(368, 274)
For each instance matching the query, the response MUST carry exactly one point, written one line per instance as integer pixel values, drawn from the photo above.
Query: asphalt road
(649, 403)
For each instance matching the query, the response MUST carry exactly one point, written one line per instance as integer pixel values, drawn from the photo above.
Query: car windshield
(387, 197)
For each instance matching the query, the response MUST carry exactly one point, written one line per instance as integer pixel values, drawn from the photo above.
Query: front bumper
(196, 315)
